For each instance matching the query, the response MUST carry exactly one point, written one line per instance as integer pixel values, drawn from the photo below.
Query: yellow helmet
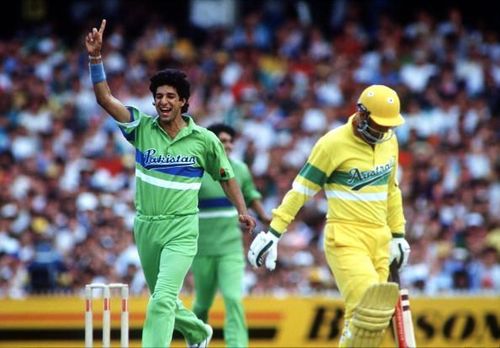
(382, 103)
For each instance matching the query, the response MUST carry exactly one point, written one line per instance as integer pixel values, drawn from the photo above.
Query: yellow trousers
(358, 256)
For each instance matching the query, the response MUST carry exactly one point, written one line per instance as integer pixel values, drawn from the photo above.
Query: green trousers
(166, 248)
(223, 273)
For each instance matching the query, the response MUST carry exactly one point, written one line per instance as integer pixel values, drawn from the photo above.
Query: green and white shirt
(169, 171)
(220, 231)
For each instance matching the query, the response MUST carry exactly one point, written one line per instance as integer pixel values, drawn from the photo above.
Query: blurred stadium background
(282, 73)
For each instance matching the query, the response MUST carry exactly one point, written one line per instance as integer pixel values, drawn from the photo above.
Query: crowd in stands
(67, 173)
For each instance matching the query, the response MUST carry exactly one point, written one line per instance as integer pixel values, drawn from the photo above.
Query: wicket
(106, 314)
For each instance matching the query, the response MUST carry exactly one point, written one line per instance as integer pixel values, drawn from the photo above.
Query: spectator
(53, 136)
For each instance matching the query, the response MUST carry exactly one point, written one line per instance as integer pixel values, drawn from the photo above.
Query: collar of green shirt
(191, 126)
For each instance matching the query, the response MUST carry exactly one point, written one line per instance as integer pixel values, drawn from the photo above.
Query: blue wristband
(97, 73)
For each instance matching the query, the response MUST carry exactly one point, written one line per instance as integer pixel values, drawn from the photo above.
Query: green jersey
(220, 232)
(169, 171)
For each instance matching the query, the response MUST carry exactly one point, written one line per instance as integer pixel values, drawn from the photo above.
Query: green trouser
(166, 248)
(224, 272)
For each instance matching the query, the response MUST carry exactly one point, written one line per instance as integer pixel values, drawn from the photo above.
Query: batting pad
(371, 316)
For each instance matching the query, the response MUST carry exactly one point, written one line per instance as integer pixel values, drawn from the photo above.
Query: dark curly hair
(175, 78)
(218, 128)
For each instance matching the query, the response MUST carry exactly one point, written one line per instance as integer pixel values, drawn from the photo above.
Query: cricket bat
(402, 323)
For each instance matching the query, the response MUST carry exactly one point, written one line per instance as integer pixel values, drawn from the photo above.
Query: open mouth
(165, 111)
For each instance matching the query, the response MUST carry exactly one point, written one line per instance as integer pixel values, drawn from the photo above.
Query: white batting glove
(400, 251)
(264, 248)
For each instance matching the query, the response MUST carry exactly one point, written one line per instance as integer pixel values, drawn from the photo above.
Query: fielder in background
(356, 165)
(172, 153)
(220, 263)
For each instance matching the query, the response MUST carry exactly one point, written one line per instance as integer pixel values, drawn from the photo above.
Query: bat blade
(402, 322)
(398, 326)
(407, 318)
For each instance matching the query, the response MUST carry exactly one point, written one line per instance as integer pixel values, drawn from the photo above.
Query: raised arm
(93, 43)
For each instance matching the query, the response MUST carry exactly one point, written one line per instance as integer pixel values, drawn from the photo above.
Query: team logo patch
(359, 179)
(152, 159)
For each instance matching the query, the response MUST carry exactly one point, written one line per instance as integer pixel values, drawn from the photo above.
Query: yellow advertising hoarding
(273, 322)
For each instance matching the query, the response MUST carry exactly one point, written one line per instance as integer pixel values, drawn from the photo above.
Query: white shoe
(204, 343)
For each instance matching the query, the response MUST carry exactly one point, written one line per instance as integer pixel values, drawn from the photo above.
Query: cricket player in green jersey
(220, 264)
(172, 153)
(355, 164)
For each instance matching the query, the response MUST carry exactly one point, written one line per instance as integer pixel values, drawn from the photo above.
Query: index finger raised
(103, 25)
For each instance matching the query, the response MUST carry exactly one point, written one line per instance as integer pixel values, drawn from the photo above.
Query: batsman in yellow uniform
(356, 165)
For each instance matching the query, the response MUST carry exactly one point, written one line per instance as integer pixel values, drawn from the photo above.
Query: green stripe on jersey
(313, 174)
(357, 181)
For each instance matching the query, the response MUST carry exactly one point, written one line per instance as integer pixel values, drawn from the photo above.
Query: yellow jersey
(359, 181)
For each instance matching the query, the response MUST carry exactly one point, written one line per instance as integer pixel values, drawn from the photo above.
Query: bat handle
(394, 273)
